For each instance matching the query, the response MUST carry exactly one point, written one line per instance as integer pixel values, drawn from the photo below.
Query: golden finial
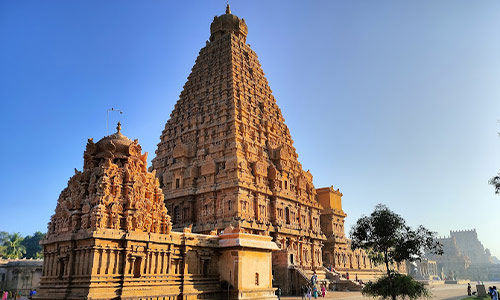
(228, 10)
(118, 127)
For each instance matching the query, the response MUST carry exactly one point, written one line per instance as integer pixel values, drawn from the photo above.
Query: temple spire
(228, 9)
(118, 127)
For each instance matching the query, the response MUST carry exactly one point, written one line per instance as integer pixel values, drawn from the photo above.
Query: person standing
(314, 278)
(315, 292)
(302, 292)
(308, 293)
(278, 293)
(323, 291)
(469, 290)
(494, 293)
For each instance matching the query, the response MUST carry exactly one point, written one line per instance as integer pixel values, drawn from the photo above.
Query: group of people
(5, 295)
(311, 291)
(492, 291)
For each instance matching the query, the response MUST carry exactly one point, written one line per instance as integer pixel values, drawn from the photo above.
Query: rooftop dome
(115, 145)
(228, 23)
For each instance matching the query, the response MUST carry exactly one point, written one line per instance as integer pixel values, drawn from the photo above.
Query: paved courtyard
(439, 292)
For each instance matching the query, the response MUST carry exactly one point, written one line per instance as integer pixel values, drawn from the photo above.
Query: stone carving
(227, 157)
(113, 191)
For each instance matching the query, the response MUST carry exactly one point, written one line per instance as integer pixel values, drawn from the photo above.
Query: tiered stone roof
(114, 190)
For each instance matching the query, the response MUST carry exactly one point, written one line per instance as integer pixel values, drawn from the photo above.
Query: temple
(226, 210)
(465, 257)
(111, 238)
(226, 157)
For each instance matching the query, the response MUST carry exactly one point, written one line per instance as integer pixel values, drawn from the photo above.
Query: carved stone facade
(337, 251)
(227, 157)
(228, 173)
(114, 191)
(111, 238)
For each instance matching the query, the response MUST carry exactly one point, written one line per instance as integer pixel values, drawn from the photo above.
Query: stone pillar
(104, 261)
(157, 255)
(152, 267)
(86, 261)
(162, 268)
(116, 264)
(169, 259)
(45, 263)
(96, 261)
(78, 262)
(54, 264)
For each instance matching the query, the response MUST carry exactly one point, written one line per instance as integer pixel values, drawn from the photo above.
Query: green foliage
(3, 235)
(495, 181)
(387, 239)
(404, 286)
(32, 245)
(12, 247)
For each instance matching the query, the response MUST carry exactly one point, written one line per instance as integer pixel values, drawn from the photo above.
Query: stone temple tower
(227, 157)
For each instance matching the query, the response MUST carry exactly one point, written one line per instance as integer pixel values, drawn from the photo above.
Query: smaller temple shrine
(337, 253)
(111, 238)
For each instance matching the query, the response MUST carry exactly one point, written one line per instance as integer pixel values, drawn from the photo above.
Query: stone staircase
(340, 283)
(333, 279)
(305, 277)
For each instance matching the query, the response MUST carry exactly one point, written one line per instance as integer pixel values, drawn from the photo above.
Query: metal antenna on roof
(107, 117)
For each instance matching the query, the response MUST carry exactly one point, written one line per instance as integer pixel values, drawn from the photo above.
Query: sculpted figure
(139, 221)
(130, 224)
(75, 218)
(85, 221)
(147, 223)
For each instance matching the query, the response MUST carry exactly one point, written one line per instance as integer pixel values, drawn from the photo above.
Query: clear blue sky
(394, 102)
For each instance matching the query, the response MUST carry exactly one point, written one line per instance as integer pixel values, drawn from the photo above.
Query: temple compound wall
(111, 238)
(20, 276)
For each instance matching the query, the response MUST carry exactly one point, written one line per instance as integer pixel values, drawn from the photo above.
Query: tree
(32, 245)
(495, 181)
(3, 235)
(402, 285)
(12, 246)
(388, 240)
